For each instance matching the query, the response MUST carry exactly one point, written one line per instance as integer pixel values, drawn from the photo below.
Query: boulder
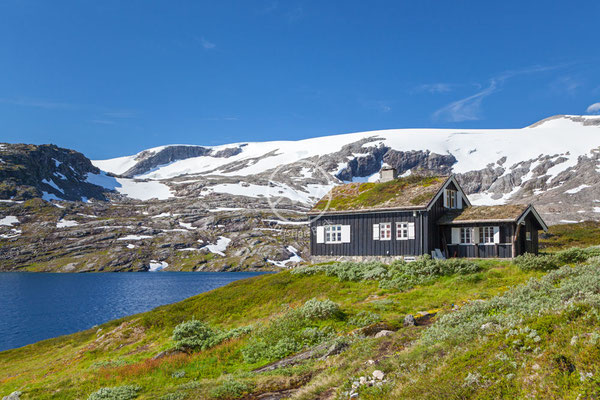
(13, 396)
(409, 320)
(383, 333)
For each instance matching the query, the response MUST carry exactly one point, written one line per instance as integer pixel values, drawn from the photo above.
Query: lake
(37, 306)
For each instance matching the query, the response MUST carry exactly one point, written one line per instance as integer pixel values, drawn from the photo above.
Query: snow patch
(220, 247)
(54, 185)
(161, 215)
(187, 225)
(155, 266)
(9, 220)
(295, 258)
(577, 189)
(130, 187)
(49, 197)
(14, 233)
(64, 223)
(131, 246)
(135, 237)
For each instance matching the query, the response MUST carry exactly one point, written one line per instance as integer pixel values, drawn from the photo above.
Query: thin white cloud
(208, 45)
(466, 109)
(469, 108)
(434, 87)
(593, 108)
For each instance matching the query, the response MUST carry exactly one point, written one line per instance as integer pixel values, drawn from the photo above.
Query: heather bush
(126, 392)
(364, 318)
(291, 332)
(195, 335)
(399, 274)
(319, 309)
(573, 255)
(230, 389)
(531, 262)
(559, 290)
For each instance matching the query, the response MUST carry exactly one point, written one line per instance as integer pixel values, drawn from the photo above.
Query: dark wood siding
(433, 232)
(500, 250)
(361, 235)
(528, 246)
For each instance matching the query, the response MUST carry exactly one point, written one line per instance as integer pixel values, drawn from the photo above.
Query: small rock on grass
(409, 320)
(383, 333)
(379, 375)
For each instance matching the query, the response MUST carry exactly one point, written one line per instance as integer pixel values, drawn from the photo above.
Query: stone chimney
(387, 173)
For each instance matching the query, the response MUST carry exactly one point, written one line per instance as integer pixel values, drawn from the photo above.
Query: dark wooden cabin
(416, 215)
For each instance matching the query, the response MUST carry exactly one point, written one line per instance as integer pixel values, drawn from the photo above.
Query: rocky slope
(551, 163)
(216, 208)
(28, 171)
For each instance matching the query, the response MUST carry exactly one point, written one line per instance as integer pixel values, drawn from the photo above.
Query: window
(466, 235)
(451, 201)
(486, 234)
(401, 230)
(528, 235)
(385, 231)
(333, 234)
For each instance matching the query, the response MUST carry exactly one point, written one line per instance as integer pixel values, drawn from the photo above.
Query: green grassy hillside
(476, 338)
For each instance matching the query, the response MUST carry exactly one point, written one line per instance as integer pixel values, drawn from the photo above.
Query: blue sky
(110, 78)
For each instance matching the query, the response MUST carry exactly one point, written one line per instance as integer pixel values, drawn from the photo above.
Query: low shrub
(178, 374)
(563, 289)
(573, 255)
(197, 335)
(531, 262)
(230, 389)
(319, 309)
(293, 331)
(364, 318)
(399, 274)
(194, 335)
(126, 392)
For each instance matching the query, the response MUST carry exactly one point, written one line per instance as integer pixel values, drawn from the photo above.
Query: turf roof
(506, 212)
(411, 192)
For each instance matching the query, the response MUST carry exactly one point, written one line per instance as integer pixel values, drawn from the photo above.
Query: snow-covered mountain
(552, 163)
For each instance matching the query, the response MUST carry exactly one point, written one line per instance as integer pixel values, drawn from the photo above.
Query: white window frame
(464, 236)
(528, 236)
(486, 235)
(451, 198)
(333, 234)
(402, 231)
(385, 231)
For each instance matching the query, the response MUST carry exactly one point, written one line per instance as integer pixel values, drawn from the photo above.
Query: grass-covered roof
(504, 212)
(413, 191)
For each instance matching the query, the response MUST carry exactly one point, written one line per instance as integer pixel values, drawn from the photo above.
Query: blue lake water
(37, 306)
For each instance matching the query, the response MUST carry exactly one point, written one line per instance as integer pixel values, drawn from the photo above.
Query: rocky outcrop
(420, 162)
(27, 171)
(148, 160)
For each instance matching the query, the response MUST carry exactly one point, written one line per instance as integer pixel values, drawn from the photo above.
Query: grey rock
(384, 333)
(13, 396)
(409, 320)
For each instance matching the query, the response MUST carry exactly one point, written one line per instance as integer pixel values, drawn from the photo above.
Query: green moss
(365, 195)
